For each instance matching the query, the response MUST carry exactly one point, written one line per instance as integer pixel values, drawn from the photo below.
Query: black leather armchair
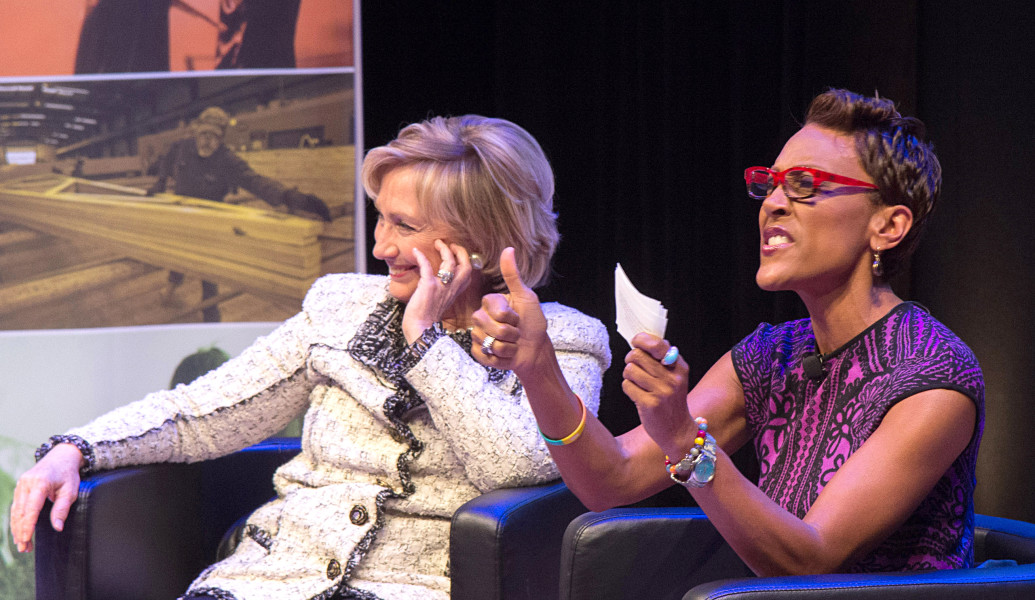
(141, 533)
(506, 545)
(663, 553)
(145, 532)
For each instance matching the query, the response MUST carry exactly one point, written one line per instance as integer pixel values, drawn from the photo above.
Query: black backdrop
(649, 112)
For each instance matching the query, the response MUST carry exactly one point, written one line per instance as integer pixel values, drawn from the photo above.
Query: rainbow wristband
(573, 435)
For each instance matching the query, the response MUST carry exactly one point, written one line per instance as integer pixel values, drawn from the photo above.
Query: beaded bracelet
(573, 435)
(704, 470)
(688, 462)
(701, 457)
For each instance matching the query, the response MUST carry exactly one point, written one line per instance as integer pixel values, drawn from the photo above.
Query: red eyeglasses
(797, 182)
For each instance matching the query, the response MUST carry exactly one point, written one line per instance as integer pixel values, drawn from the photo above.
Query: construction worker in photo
(202, 166)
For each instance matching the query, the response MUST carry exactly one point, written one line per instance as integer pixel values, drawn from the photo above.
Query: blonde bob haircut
(485, 179)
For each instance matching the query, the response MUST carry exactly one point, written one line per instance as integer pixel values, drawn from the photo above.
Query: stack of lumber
(328, 172)
(268, 253)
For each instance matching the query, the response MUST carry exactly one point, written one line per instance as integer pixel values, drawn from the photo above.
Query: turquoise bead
(705, 471)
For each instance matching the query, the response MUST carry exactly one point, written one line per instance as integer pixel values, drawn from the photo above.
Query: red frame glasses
(779, 178)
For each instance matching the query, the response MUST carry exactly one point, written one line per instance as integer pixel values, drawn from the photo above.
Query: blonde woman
(401, 424)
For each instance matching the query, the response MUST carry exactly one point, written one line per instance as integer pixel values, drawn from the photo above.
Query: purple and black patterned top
(805, 429)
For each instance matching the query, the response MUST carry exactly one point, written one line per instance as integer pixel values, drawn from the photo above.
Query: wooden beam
(261, 251)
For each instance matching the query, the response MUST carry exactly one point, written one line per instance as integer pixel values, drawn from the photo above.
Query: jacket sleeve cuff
(420, 346)
(84, 447)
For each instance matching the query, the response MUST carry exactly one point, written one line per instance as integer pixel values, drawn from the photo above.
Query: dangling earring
(877, 266)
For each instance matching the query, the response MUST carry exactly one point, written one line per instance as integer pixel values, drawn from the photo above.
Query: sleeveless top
(804, 429)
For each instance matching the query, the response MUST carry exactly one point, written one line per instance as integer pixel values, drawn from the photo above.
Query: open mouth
(775, 238)
(398, 272)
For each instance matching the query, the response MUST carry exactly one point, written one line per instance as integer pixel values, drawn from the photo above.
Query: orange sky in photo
(39, 37)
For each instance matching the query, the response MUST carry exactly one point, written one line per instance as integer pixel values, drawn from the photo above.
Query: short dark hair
(892, 151)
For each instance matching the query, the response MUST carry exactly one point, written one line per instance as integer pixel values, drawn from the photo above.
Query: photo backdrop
(108, 279)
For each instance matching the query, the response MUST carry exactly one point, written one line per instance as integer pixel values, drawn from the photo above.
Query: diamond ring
(487, 345)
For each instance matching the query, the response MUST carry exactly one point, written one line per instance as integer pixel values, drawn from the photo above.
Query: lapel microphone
(813, 366)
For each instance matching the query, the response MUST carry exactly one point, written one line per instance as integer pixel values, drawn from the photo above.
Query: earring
(877, 266)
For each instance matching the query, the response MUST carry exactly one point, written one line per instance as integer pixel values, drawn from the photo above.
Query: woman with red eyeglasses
(866, 417)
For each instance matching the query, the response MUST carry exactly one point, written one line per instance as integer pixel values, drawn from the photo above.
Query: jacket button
(358, 515)
(333, 569)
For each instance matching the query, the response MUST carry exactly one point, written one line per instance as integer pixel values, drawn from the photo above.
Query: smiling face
(401, 227)
(821, 244)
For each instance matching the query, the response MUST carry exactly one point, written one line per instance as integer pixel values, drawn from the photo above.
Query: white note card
(635, 312)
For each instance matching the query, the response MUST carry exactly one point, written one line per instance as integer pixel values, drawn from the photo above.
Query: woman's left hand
(659, 392)
(433, 297)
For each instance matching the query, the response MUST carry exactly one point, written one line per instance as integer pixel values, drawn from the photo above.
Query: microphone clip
(813, 365)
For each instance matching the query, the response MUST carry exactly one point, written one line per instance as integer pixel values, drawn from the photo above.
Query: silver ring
(445, 276)
(487, 345)
(671, 356)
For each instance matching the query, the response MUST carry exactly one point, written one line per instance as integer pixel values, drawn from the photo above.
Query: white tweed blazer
(388, 453)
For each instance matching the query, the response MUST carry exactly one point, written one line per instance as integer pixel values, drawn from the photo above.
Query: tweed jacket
(393, 442)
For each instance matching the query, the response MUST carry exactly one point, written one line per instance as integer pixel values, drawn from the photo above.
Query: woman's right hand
(433, 299)
(515, 321)
(54, 477)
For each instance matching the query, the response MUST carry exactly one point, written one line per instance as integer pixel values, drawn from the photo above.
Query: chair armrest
(959, 584)
(505, 545)
(147, 531)
(628, 553)
(132, 533)
(1002, 538)
(235, 485)
(663, 552)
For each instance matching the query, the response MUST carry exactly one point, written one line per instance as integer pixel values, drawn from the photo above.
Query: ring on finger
(445, 276)
(670, 357)
(487, 345)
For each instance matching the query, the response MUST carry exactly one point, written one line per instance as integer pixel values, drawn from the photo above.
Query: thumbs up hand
(510, 329)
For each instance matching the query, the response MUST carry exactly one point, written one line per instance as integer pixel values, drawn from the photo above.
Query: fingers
(496, 309)
(510, 329)
(496, 329)
(649, 352)
(509, 271)
(500, 348)
(447, 262)
(496, 319)
(651, 344)
(459, 256)
(424, 264)
(56, 477)
(653, 377)
(62, 506)
(25, 511)
(454, 268)
(646, 375)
